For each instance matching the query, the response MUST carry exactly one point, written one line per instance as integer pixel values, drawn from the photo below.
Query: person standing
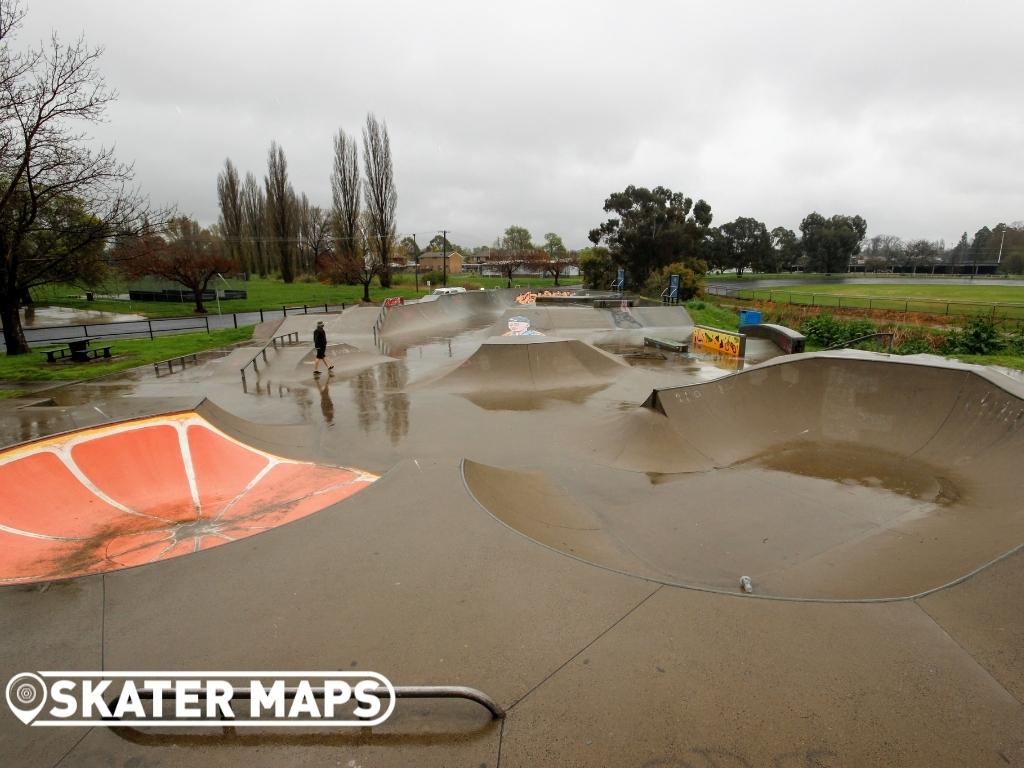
(320, 344)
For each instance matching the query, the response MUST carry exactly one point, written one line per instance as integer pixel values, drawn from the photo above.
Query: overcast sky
(531, 113)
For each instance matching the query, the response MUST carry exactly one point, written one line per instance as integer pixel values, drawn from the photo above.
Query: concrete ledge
(786, 339)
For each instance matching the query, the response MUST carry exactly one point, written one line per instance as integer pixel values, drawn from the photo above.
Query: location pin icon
(26, 695)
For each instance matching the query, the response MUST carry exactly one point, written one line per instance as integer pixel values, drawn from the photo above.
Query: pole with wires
(444, 257)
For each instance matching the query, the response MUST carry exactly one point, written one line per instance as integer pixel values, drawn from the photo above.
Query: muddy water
(852, 465)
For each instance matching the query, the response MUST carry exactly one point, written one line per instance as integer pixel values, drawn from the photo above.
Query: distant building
(432, 261)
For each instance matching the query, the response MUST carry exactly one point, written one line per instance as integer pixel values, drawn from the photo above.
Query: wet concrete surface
(843, 477)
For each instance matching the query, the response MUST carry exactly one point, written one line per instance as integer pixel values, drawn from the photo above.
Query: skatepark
(644, 558)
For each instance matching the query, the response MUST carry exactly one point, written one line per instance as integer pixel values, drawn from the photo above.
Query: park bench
(78, 351)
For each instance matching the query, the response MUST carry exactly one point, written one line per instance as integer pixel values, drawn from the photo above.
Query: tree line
(657, 232)
(268, 227)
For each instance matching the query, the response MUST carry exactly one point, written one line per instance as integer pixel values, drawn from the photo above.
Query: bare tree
(507, 263)
(281, 219)
(59, 202)
(368, 258)
(301, 212)
(190, 256)
(315, 235)
(380, 193)
(229, 195)
(559, 265)
(254, 224)
(346, 215)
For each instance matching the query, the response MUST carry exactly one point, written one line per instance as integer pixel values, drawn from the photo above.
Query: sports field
(995, 300)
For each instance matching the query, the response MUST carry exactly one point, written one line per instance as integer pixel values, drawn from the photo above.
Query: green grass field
(127, 353)
(956, 300)
(266, 293)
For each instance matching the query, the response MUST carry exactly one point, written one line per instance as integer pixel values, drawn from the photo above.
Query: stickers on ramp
(135, 492)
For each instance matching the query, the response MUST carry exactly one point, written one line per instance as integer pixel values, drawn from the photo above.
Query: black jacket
(320, 338)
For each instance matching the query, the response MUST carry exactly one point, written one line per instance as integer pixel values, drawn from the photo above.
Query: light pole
(999, 258)
(416, 261)
(217, 293)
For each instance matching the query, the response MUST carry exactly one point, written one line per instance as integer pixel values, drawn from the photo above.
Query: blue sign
(620, 281)
(673, 286)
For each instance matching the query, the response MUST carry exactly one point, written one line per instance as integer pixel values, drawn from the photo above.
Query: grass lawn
(127, 353)
(1005, 301)
(267, 293)
(1006, 361)
(706, 313)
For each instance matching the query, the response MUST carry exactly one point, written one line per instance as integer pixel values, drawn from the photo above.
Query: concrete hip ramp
(532, 363)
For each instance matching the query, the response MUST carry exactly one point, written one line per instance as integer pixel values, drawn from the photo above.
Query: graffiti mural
(519, 325)
(715, 339)
(530, 297)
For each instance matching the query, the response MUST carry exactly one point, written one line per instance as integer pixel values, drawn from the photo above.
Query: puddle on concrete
(696, 363)
(87, 394)
(855, 466)
(532, 400)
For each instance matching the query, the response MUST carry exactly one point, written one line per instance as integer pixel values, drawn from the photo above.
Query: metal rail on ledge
(859, 339)
(292, 337)
(401, 692)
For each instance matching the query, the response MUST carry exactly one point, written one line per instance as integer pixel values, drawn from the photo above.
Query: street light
(216, 293)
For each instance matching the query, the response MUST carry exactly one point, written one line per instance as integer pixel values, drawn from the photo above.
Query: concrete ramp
(533, 363)
(450, 313)
(138, 491)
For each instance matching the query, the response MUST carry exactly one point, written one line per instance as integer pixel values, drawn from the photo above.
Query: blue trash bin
(750, 316)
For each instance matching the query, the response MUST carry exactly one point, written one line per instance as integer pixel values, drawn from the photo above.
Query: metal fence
(996, 311)
(165, 326)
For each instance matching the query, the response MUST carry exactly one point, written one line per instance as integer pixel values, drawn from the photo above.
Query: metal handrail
(401, 692)
(263, 351)
(194, 356)
(859, 339)
(379, 325)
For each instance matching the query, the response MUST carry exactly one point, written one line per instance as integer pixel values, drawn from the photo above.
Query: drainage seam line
(584, 648)
(501, 738)
(72, 748)
(959, 645)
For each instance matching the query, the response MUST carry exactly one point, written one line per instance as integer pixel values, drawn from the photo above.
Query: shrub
(435, 278)
(690, 282)
(979, 337)
(826, 331)
(597, 268)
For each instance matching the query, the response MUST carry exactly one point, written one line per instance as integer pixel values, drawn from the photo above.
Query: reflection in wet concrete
(393, 378)
(852, 465)
(84, 394)
(531, 400)
(364, 392)
(382, 388)
(326, 404)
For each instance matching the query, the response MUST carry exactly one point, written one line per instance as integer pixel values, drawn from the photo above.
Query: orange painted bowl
(135, 492)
